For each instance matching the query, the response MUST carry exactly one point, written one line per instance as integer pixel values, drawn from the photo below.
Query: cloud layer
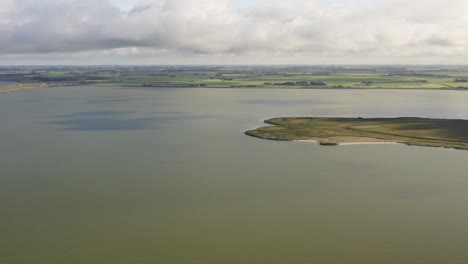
(418, 29)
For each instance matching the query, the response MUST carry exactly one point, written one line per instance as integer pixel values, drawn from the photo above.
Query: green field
(449, 133)
(291, 77)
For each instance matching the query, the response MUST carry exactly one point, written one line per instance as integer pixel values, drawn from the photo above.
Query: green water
(102, 175)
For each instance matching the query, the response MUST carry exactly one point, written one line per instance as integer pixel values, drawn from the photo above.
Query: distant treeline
(42, 78)
(299, 83)
(45, 78)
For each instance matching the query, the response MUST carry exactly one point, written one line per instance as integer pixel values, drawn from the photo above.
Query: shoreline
(14, 88)
(349, 143)
(302, 88)
(17, 87)
(368, 143)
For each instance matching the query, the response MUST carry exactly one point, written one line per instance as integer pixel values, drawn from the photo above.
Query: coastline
(21, 87)
(368, 143)
(17, 87)
(348, 143)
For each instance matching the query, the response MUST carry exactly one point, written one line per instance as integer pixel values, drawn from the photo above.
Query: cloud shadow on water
(282, 102)
(112, 99)
(43, 100)
(117, 120)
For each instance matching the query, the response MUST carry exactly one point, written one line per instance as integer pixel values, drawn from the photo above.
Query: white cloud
(415, 30)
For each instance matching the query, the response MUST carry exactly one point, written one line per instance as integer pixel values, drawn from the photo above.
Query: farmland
(290, 77)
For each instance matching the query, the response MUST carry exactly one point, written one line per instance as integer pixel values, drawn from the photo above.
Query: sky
(233, 32)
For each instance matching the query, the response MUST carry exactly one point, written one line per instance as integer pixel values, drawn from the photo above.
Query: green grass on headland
(448, 133)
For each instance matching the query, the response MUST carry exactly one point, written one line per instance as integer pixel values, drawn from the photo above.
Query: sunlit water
(117, 175)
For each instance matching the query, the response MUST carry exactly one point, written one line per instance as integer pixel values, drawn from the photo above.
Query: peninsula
(447, 133)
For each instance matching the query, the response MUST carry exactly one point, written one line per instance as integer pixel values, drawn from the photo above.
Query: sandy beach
(351, 143)
(368, 143)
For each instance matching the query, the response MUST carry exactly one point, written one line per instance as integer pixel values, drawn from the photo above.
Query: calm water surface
(116, 175)
(2, 84)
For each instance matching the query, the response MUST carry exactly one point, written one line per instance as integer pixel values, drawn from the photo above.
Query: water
(122, 175)
(2, 84)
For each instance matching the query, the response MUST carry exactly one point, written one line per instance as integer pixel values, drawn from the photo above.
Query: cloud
(410, 29)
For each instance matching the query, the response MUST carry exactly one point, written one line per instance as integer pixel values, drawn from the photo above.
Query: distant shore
(376, 142)
(28, 86)
(313, 77)
(21, 87)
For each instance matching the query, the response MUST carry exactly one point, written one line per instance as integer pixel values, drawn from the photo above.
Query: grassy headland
(448, 133)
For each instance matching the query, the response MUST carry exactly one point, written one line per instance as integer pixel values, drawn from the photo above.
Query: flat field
(301, 76)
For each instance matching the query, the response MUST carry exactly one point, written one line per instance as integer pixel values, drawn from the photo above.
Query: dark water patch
(281, 102)
(112, 99)
(110, 123)
(93, 114)
(118, 120)
(159, 88)
(39, 100)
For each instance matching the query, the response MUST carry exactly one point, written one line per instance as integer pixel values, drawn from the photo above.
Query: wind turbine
(117, 75)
